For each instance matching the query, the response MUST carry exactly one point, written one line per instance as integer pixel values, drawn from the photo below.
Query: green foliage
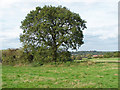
(40, 57)
(108, 55)
(14, 56)
(10, 56)
(52, 27)
(64, 56)
(78, 57)
(116, 54)
(73, 57)
(89, 52)
(43, 55)
(101, 54)
(89, 56)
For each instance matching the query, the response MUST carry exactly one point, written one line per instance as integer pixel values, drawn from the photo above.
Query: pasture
(105, 59)
(76, 75)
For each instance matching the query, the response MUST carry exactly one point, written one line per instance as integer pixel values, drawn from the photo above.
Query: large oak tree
(52, 27)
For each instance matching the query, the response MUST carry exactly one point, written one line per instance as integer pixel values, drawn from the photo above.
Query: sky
(101, 16)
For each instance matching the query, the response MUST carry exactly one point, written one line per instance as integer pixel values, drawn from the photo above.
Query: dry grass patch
(87, 84)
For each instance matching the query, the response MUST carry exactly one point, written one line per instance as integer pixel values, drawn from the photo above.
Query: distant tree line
(19, 56)
(89, 52)
(93, 54)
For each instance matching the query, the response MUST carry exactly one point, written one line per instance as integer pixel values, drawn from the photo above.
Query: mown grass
(80, 75)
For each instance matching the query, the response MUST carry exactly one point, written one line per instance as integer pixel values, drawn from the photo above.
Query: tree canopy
(52, 28)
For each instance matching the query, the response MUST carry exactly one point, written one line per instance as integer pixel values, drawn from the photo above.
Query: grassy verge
(80, 75)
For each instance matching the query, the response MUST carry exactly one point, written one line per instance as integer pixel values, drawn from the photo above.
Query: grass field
(99, 60)
(80, 75)
(105, 60)
(108, 59)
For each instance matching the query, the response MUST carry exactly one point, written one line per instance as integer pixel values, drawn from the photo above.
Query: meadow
(105, 59)
(76, 75)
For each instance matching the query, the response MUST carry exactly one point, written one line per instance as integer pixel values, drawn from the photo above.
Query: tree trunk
(55, 54)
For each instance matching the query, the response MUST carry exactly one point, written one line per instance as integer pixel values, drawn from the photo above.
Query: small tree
(116, 54)
(107, 55)
(52, 27)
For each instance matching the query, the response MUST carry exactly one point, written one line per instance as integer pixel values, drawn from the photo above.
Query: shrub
(9, 56)
(41, 55)
(78, 57)
(108, 55)
(116, 54)
(14, 56)
(73, 57)
(64, 56)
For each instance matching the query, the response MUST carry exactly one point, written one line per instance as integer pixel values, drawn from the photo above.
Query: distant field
(105, 59)
(99, 60)
(80, 75)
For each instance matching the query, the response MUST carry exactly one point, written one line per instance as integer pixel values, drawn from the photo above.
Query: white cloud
(103, 32)
(88, 1)
(8, 3)
(12, 33)
(97, 13)
(8, 38)
(48, 1)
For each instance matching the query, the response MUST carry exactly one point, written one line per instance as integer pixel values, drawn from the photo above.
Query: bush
(116, 54)
(9, 56)
(41, 55)
(78, 57)
(64, 56)
(108, 55)
(73, 57)
(14, 56)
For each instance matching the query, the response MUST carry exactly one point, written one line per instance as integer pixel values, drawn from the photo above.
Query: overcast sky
(101, 17)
